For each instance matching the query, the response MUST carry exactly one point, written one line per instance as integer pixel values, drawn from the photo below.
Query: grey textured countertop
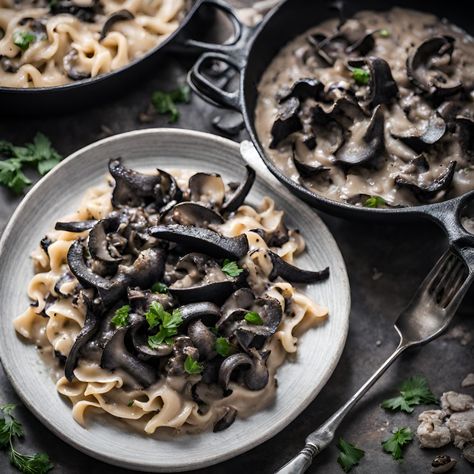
(385, 265)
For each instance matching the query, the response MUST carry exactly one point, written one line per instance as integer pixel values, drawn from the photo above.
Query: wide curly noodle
(161, 405)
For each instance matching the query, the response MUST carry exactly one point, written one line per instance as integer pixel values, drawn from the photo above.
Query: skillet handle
(238, 27)
(448, 215)
(209, 91)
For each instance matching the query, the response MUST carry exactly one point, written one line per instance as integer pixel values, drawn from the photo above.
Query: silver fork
(424, 319)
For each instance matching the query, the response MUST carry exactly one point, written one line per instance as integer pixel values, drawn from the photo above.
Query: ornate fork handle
(322, 437)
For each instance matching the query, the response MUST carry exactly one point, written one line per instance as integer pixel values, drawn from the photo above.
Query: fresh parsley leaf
(165, 102)
(130, 403)
(361, 76)
(154, 315)
(253, 317)
(38, 463)
(384, 33)
(396, 442)
(168, 324)
(374, 201)
(121, 318)
(349, 455)
(10, 429)
(23, 39)
(231, 268)
(192, 366)
(413, 391)
(39, 154)
(224, 347)
(159, 287)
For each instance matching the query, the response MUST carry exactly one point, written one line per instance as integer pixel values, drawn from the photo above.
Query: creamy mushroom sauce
(144, 229)
(397, 34)
(45, 44)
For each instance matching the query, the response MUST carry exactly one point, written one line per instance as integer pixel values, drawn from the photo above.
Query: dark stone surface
(385, 265)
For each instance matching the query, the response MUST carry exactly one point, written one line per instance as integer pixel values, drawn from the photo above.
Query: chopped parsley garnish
(349, 455)
(11, 428)
(224, 347)
(384, 33)
(159, 288)
(396, 442)
(167, 323)
(165, 102)
(253, 317)
(39, 154)
(413, 391)
(23, 39)
(361, 76)
(130, 403)
(374, 202)
(231, 268)
(121, 318)
(192, 366)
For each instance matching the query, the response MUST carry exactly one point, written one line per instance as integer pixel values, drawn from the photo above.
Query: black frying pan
(251, 58)
(79, 94)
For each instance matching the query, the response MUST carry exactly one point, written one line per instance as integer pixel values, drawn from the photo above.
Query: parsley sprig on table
(396, 442)
(413, 391)
(349, 455)
(38, 154)
(165, 102)
(167, 323)
(11, 429)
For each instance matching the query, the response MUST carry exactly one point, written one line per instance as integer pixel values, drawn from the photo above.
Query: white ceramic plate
(57, 195)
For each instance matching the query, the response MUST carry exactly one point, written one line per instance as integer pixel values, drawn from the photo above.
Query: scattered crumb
(432, 432)
(148, 115)
(454, 402)
(468, 381)
(376, 275)
(461, 334)
(378, 342)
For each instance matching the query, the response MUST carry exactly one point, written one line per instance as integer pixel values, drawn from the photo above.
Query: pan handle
(448, 215)
(209, 91)
(239, 29)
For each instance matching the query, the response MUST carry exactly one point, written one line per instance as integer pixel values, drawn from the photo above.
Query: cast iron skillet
(79, 94)
(251, 58)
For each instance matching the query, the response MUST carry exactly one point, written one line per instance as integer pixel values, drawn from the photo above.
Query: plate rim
(210, 460)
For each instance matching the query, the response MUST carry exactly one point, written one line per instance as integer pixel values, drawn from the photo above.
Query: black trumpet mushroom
(83, 13)
(306, 170)
(200, 311)
(90, 328)
(293, 274)
(382, 86)
(120, 15)
(135, 189)
(226, 420)
(303, 89)
(434, 83)
(287, 121)
(426, 193)
(70, 66)
(239, 195)
(208, 189)
(198, 279)
(203, 339)
(116, 356)
(182, 348)
(255, 335)
(98, 243)
(147, 269)
(253, 370)
(193, 214)
(202, 240)
(367, 145)
(466, 134)
(343, 109)
(433, 133)
(234, 309)
(79, 226)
